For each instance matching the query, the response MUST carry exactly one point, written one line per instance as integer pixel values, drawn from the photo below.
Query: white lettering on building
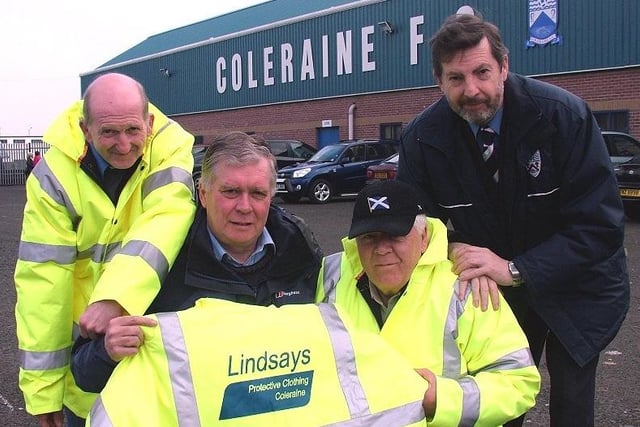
(244, 72)
(343, 53)
(367, 49)
(286, 65)
(306, 68)
(416, 38)
(268, 66)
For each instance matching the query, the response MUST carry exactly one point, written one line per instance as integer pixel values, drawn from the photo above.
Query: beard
(476, 115)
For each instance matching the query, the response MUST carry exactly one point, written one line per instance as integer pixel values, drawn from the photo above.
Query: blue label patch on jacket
(268, 394)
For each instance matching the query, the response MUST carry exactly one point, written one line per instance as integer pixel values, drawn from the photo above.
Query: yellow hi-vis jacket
(77, 247)
(485, 374)
(230, 364)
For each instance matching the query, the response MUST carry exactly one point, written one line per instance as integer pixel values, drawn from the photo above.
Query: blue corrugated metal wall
(596, 34)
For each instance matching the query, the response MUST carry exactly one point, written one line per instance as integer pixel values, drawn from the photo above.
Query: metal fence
(13, 160)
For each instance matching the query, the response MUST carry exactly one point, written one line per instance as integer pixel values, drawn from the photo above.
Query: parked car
(624, 151)
(198, 156)
(337, 169)
(622, 147)
(290, 151)
(286, 151)
(383, 171)
(628, 176)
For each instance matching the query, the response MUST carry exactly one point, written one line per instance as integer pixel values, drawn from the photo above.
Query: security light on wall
(386, 27)
(166, 72)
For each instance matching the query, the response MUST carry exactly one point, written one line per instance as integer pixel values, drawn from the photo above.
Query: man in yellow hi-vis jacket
(107, 210)
(393, 278)
(296, 365)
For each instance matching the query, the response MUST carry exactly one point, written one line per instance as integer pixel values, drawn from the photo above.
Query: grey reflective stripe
(452, 359)
(44, 360)
(179, 175)
(148, 252)
(402, 415)
(470, 402)
(113, 249)
(42, 252)
(331, 275)
(345, 358)
(165, 177)
(354, 394)
(470, 392)
(166, 125)
(184, 395)
(145, 250)
(52, 186)
(99, 417)
(100, 253)
(515, 360)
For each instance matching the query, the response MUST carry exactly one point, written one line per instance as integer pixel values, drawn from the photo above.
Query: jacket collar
(293, 252)
(520, 116)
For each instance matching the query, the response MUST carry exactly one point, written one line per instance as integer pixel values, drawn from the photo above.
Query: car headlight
(301, 172)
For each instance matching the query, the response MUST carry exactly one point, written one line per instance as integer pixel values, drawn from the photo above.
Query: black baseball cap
(385, 206)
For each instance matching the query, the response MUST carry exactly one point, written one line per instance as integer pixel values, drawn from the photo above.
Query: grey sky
(46, 45)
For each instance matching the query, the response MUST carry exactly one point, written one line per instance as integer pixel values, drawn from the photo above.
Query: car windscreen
(330, 153)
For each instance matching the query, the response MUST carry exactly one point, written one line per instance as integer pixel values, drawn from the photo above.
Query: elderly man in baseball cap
(393, 278)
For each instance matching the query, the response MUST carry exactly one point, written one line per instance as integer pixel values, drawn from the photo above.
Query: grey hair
(420, 223)
(236, 149)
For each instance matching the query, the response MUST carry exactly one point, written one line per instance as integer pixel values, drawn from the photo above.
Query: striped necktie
(486, 138)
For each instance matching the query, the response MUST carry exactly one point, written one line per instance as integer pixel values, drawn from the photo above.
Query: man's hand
(483, 289)
(481, 269)
(429, 402)
(124, 336)
(94, 320)
(52, 419)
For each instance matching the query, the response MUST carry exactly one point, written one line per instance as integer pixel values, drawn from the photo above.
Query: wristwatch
(516, 278)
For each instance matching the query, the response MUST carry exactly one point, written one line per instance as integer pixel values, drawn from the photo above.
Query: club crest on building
(543, 23)
(535, 164)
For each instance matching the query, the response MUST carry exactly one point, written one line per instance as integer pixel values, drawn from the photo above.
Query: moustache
(473, 101)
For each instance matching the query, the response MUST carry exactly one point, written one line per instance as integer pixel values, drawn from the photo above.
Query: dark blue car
(337, 169)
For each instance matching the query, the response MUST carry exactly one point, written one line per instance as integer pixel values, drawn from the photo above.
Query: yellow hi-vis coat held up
(229, 364)
(77, 247)
(485, 374)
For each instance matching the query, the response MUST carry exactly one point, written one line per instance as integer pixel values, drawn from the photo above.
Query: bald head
(116, 119)
(114, 91)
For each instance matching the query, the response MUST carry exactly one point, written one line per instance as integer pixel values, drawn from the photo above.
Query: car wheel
(632, 211)
(321, 191)
(290, 198)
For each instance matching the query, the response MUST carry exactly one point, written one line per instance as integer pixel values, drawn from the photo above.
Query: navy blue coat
(289, 277)
(556, 211)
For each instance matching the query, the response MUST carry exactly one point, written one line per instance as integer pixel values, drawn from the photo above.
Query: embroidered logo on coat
(282, 294)
(535, 164)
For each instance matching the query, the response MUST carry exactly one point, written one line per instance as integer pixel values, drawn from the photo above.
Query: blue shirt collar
(264, 241)
(494, 123)
(100, 161)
